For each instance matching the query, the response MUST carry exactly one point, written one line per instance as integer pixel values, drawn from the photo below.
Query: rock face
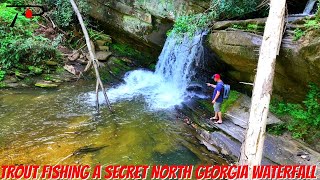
(144, 22)
(297, 65)
(226, 138)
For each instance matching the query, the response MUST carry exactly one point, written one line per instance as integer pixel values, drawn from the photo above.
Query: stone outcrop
(297, 65)
(226, 138)
(142, 22)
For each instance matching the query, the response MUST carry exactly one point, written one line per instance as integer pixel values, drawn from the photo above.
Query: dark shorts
(217, 107)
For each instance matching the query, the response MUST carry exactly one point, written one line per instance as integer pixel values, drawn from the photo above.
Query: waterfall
(167, 86)
(309, 7)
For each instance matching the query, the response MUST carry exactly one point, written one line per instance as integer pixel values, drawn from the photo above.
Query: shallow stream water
(40, 126)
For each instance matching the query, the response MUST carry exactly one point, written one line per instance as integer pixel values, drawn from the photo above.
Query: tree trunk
(252, 147)
(92, 60)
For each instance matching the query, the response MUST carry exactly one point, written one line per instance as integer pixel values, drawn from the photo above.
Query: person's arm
(211, 85)
(216, 97)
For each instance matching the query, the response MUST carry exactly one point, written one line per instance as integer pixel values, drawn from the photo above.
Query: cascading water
(309, 7)
(167, 86)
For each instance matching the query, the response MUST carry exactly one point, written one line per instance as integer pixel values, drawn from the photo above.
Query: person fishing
(217, 98)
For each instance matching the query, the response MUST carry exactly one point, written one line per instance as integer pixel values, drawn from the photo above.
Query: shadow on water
(59, 127)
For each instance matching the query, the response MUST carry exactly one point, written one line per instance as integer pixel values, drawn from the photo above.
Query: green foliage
(18, 44)
(249, 27)
(305, 118)
(8, 14)
(14, 1)
(35, 70)
(310, 24)
(227, 103)
(253, 27)
(278, 129)
(47, 77)
(298, 33)
(314, 24)
(62, 13)
(226, 9)
(2, 75)
(219, 9)
(60, 70)
(318, 12)
(17, 73)
(2, 84)
(128, 51)
(189, 24)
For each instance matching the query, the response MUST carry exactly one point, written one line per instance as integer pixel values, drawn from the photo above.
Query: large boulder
(142, 22)
(297, 65)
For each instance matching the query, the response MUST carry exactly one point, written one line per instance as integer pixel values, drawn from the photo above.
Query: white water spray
(167, 86)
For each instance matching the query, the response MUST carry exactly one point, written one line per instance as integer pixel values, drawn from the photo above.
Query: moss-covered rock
(298, 63)
(143, 23)
(46, 84)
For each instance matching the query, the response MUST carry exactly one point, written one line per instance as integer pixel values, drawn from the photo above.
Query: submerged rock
(46, 84)
(87, 149)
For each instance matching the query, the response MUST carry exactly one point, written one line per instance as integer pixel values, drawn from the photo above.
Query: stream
(40, 126)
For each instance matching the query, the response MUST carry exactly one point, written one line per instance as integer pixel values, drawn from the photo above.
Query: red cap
(216, 76)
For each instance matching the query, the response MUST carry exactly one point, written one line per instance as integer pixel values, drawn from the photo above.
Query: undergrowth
(309, 24)
(303, 119)
(19, 44)
(227, 103)
(219, 9)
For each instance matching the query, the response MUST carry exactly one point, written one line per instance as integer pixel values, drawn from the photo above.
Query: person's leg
(215, 117)
(219, 114)
(220, 117)
(215, 113)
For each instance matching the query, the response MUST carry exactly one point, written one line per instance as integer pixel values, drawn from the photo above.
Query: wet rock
(74, 68)
(306, 157)
(228, 136)
(103, 55)
(57, 80)
(74, 56)
(70, 69)
(101, 42)
(12, 85)
(46, 84)
(10, 79)
(82, 61)
(239, 113)
(20, 75)
(225, 24)
(301, 153)
(103, 48)
(146, 22)
(106, 38)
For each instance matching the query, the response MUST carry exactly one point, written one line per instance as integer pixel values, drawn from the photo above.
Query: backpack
(226, 91)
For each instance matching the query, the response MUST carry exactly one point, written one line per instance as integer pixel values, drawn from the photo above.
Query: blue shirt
(220, 88)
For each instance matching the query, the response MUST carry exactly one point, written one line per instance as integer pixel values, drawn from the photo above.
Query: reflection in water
(58, 127)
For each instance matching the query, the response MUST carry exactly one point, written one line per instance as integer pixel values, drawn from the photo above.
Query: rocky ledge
(237, 43)
(226, 139)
